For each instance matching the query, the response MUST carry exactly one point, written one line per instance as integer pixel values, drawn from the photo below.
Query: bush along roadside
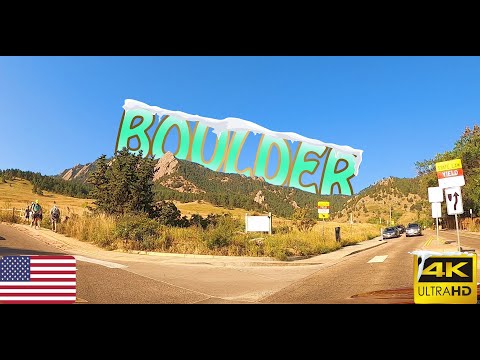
(211, 235)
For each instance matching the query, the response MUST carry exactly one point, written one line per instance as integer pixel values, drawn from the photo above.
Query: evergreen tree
(124, 187)
(99, 180)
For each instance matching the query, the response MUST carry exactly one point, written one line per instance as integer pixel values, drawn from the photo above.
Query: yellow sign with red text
(323, 209)
(450, 173)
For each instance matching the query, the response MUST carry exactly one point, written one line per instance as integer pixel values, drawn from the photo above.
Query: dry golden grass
(380, 210)
(204, 208)
(18, 194)
(227, 239)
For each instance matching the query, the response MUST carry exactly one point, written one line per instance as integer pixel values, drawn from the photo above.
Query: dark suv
(413, 229)
(401, 229)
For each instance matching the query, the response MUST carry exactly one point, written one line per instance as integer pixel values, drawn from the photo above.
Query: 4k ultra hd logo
(445, 279)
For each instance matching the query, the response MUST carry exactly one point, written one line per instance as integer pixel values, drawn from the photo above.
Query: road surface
(367, 273)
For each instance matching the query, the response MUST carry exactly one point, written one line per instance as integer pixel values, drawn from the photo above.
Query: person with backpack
(54, 216)
(31, 213)
(37, 214)
(27, 214)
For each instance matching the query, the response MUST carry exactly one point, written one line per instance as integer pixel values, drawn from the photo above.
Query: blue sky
(61, 111)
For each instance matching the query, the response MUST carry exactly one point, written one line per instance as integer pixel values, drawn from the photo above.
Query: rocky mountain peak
(166, 165)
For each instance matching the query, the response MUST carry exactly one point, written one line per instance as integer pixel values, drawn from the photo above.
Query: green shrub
(221, 234)
(282, 229)
(216, 238)
(136, 227)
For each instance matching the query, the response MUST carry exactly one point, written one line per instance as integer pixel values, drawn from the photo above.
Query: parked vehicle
(401, 229)
(390, 232)
(413, 229)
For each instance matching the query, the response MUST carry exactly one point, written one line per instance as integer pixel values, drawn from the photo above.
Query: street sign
(453, 198)
(450, 173)
(436, 210)
(323, 209)
(435, 194)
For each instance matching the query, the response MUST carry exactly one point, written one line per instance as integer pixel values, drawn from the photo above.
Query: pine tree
(99, 180)
(125, 187)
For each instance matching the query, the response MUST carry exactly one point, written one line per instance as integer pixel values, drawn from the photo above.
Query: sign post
(435, 196)
(323, 212)
(450, 177)
(453, 198)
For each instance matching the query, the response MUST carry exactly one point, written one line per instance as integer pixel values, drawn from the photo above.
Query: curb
(268, 261)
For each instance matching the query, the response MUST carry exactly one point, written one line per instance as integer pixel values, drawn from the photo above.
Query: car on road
(413, 229)
(390, 232)
(401, 229)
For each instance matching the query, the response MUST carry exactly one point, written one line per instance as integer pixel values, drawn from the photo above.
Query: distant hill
(186, 181)
(401, 199)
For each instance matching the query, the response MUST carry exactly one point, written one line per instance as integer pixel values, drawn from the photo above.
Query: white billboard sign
(258, 223)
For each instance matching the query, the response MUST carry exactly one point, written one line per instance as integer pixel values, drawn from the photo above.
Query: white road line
(100, 262)
(378, 259)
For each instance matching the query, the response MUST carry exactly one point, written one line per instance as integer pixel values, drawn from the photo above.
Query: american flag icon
(38, 279)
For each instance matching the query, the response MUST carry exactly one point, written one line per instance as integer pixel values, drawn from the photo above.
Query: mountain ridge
(398, 199)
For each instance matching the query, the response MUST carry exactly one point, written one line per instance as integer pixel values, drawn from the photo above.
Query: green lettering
(236, 144)
(302, 164)
(263, 156)
(127, 132)
(167, 124)
(333, 176)
(198, 148)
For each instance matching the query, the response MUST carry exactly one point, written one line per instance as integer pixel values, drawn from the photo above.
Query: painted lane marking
(100, 262)
(428, 242)
(378, 259)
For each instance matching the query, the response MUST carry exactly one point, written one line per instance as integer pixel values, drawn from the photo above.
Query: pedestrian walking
(54, 216)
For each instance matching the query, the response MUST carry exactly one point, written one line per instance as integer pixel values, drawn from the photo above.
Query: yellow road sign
(323, 204)
(323, 215)
(448, 165)
(445, 279)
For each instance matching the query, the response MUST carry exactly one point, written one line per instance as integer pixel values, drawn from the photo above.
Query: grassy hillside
(196, 189)
(189, 182)
(17, 193)
(238, 191)
(225, 238)
(403, 200)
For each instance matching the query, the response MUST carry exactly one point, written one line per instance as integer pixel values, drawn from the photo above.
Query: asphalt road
(380, 275)
(385, 267)
(371, 272)
(97, 283)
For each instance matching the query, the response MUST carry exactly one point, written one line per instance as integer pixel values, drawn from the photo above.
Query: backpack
(55, 212)
(36, 208)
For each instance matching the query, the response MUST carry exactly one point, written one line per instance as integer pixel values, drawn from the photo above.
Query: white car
(413, 229)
